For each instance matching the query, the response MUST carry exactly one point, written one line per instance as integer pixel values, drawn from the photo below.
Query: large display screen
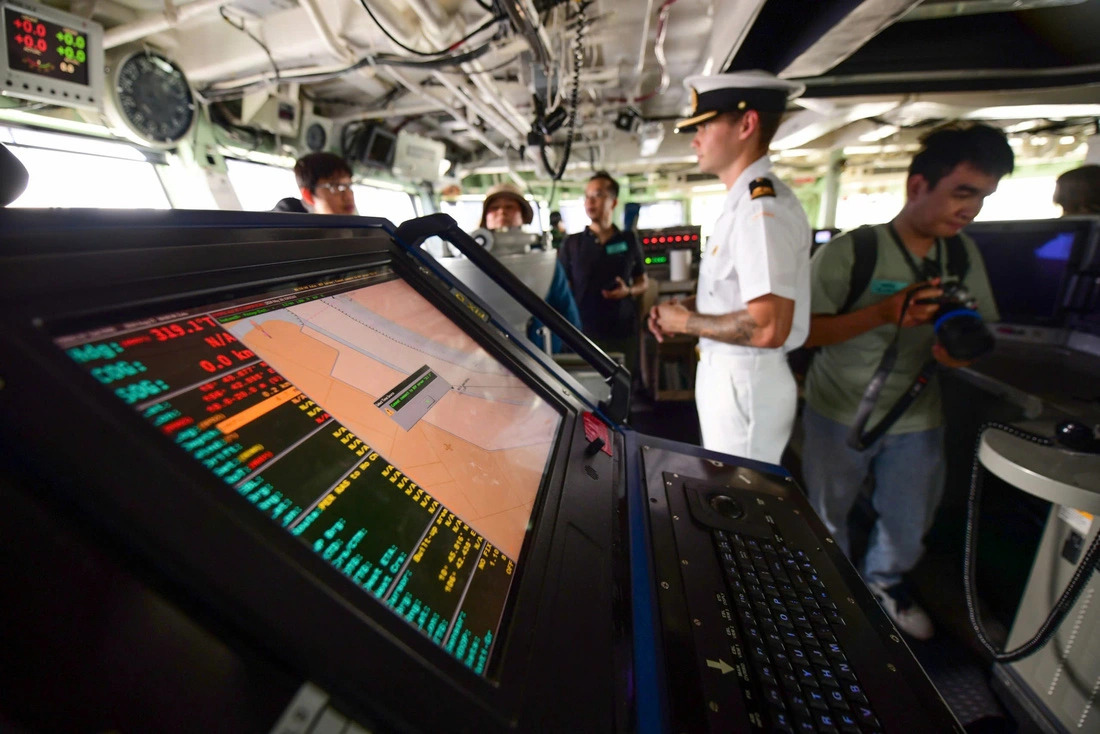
(1029, 266)
(45, 48)
(361, 419)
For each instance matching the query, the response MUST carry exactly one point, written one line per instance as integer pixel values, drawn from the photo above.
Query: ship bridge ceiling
(506, 84)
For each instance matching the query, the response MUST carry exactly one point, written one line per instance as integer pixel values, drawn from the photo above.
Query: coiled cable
(1069, 596)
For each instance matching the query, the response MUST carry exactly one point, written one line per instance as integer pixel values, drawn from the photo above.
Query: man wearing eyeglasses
(325, 182)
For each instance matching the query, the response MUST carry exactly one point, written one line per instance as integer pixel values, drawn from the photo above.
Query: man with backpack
(866, 288)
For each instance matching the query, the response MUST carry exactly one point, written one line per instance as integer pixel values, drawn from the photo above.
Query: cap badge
(694, 101)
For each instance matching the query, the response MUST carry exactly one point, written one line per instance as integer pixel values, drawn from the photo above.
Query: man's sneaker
(905, 613)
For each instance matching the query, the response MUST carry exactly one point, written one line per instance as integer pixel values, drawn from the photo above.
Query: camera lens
(962, 332)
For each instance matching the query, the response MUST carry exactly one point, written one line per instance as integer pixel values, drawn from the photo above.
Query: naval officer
(752, 302)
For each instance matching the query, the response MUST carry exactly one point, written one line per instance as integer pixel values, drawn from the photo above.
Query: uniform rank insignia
(759, 187)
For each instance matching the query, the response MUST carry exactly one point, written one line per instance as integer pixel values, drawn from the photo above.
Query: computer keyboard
(764, 624)
(798, 676)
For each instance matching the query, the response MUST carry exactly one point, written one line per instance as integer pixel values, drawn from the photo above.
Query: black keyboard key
(798, 703)
(781, 661)
(816, 700)
(806, 679)
(866, 717)
(804, 725)
(854, 693)
(836, 700)
(789, 681)
(767, 675)
(827, 678)
(774, 697)
(844, 672)
(847, 719)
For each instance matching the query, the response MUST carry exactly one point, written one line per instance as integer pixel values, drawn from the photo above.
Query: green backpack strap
(865, 250)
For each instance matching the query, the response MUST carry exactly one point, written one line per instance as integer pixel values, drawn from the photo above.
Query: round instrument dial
(154, 101)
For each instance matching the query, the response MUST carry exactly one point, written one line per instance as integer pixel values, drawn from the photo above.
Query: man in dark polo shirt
(606, 270)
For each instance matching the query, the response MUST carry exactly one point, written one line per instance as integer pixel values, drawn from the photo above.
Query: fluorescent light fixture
(880, 132)
(1041, 111)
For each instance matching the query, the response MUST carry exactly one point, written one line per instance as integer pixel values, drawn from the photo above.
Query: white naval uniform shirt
(759, 246)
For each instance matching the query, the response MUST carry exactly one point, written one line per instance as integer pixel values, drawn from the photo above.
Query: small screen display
(380, 148)
(43, 48)
(359, 418)
(1028, 267)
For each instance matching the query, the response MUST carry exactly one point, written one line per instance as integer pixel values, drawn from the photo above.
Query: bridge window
(260, 187)
(78, 172)
(661, 214)
(374, 201)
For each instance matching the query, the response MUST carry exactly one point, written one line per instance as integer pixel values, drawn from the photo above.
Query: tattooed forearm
(732, 328)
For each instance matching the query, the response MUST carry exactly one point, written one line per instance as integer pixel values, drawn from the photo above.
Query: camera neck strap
(930, 269)
(858, 438)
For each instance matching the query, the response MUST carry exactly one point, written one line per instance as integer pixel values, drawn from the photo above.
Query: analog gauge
(316, 137)
(153, 100)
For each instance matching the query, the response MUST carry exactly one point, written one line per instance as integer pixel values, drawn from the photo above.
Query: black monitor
(379, 148)
(323, 448)
(1033, 266)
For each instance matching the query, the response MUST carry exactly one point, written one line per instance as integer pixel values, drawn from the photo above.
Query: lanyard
(921, 273)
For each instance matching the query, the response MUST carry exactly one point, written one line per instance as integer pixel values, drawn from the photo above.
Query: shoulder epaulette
(759, 187)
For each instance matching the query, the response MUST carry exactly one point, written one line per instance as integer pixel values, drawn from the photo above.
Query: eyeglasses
(336, 188)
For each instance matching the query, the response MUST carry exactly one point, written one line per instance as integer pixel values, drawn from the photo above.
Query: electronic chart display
(358, 417)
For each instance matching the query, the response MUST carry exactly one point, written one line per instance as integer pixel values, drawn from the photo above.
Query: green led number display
(71, 46)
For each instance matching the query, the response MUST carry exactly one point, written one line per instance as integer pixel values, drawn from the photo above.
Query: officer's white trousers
(746, 403)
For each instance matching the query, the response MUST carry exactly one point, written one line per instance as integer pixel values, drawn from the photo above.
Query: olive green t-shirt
(840, 372)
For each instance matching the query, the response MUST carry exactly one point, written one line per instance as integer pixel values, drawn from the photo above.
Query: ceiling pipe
(157, 22)
(446, 106)
(438, 26)
(335, 46)
(489, 89)
(526, 22)
(640, 66)
(503, 126)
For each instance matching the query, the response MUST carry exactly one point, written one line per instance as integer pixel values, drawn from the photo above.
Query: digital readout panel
(44, 48)
(361, 419)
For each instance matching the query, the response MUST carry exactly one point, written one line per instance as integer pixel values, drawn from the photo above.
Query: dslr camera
(958, 325)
